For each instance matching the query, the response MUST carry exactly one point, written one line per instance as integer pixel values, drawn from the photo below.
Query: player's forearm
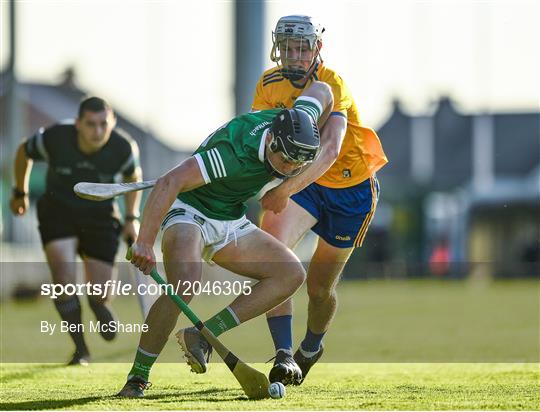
(326, 159)
(157, 204)
(185, 177)
(331, 138)
(133, 199)
(327, 110)
(22, 168)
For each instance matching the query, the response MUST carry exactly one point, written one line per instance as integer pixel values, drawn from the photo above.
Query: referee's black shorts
(97, 231)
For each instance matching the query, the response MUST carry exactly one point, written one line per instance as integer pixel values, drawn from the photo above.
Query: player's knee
(289, 278)
(319, 294)
(297, 277)
(63, 274)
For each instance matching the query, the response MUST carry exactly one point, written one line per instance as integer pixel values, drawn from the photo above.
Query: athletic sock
(70, 312)
(222, 322)
(104, 314)
(309, 105)
(311, 343)
(281, 331)
(142, 364)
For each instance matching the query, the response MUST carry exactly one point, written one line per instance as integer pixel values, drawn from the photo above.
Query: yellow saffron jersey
(361, 153)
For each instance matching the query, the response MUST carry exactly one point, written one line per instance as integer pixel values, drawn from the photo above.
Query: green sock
(223, 321)
(142, 364)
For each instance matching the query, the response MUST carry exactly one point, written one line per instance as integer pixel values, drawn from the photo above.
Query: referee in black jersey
(90, 150)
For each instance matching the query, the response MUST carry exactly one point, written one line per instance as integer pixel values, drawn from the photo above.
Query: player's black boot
(285, 369)
(81, 358)
(196, 349)
(134, 388)
(306, 363)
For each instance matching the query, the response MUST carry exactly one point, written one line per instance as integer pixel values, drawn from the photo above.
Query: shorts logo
(338, 237)
(63, 170)
(85, 165)
(199, 220)
(347, 173)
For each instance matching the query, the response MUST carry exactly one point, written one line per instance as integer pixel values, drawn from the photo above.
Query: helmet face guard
(295, 137)
(298, 32)
(293, 152)
(292, 68)
(273, 170)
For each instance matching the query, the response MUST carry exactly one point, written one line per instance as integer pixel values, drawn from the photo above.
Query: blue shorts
(343, 215)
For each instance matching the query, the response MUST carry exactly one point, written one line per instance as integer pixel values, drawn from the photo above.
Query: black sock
(103, 314)
(70, 312)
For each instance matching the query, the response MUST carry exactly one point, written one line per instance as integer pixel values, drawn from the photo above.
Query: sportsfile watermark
(459, 318)
(120, 288)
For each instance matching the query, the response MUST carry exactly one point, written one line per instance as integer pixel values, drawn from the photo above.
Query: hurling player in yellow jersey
(335, 197)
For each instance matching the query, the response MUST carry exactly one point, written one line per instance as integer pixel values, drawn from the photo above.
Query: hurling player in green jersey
(200, 207)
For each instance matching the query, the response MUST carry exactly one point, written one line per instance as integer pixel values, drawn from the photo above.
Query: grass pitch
(418, 345)
(329, 386)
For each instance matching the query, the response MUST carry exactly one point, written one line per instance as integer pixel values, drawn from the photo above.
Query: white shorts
(216, 233)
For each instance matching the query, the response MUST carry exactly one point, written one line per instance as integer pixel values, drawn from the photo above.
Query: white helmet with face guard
(305, 35)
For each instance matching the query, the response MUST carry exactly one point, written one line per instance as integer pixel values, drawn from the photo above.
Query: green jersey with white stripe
(232, 164)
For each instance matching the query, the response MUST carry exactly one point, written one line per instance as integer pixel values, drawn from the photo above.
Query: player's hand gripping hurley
(145, 302)
(254, 383)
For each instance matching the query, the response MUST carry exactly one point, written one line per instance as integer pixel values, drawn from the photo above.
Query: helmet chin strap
(297, 75)
(293, 75)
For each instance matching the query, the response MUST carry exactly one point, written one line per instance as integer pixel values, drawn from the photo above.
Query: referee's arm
(22, 167)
